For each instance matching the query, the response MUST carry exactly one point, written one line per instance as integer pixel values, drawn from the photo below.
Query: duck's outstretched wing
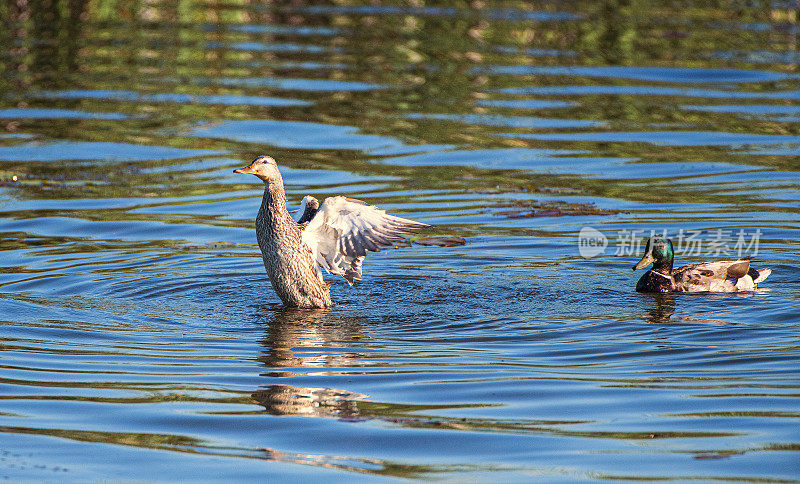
(344, 229)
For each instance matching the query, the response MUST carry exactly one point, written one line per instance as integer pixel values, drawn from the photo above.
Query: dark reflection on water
(140, 339)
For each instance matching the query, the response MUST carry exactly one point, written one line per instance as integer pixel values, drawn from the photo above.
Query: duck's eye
(264, 160)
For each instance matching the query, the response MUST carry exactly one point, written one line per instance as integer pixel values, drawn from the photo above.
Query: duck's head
(658, 252)
(263, 167)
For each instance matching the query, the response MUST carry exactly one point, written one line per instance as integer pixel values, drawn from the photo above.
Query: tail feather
(762, 274)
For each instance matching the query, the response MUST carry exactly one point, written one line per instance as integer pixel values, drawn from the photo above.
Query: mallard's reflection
(662, 307)
(289, 331)
(662, 311)
(310, 402)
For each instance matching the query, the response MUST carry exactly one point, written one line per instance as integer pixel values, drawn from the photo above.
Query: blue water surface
(141, 341)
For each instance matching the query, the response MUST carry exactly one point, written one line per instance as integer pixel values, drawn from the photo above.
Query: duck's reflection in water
(312, 402)
(297, 339)
(661, 308)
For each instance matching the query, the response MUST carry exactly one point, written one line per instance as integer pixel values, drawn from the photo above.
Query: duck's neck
(273, 205)
(663, 266)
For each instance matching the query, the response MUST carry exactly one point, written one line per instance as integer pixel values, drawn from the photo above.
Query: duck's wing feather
(344, 229)
(308, 208)
(711, 276)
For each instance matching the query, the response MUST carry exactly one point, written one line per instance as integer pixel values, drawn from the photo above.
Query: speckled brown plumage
(288, 262)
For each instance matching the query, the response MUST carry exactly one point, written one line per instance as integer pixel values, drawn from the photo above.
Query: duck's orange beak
(247, 170)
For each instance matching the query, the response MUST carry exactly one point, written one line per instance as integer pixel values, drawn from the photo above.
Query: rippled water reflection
(140, 339)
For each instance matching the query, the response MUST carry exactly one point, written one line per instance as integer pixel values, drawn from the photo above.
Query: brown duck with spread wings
(334, 236)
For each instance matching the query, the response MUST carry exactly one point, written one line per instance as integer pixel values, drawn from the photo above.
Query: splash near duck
(335, 235)
(720, 276)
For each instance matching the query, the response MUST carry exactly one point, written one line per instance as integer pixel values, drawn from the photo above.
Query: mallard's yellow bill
(646, 261)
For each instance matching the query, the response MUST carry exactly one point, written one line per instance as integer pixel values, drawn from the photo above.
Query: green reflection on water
(119, 45)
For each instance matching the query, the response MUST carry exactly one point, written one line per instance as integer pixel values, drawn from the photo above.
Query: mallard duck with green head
(720, 276)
